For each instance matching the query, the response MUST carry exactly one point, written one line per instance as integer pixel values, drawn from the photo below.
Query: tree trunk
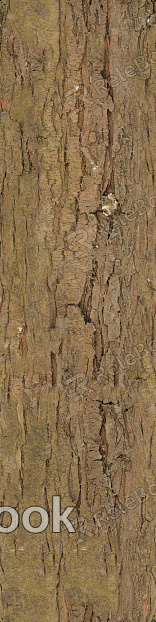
(78, 301)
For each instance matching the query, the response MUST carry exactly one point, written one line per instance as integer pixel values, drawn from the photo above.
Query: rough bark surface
(78, 296)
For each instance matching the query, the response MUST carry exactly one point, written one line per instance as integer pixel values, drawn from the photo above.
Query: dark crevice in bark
(89, 613)
(78, 504)
(43, 562)
(21, 473)
(103, 448)
(53, 369)
(25, 423)
(86, 301)
(46, 500)
(1, 565)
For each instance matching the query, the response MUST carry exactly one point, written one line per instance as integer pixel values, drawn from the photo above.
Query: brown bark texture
(78, 303)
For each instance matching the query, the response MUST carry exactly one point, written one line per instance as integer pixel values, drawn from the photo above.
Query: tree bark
(78, 302)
